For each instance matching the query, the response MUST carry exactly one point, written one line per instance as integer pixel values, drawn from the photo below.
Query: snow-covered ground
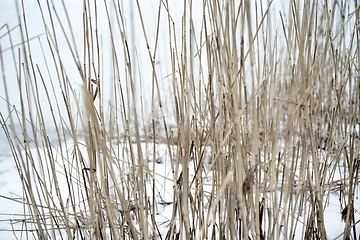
(159, 170)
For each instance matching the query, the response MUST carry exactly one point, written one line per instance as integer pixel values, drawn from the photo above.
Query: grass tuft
(229, 121)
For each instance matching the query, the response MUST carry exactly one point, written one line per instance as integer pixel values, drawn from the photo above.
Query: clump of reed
(271, 117)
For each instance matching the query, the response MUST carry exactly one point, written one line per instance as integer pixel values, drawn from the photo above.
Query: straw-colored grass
(270, 116)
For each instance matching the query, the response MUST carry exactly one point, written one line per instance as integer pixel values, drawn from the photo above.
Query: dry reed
(271, 118)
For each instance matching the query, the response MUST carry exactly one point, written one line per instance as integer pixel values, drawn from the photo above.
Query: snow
(160, 171)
